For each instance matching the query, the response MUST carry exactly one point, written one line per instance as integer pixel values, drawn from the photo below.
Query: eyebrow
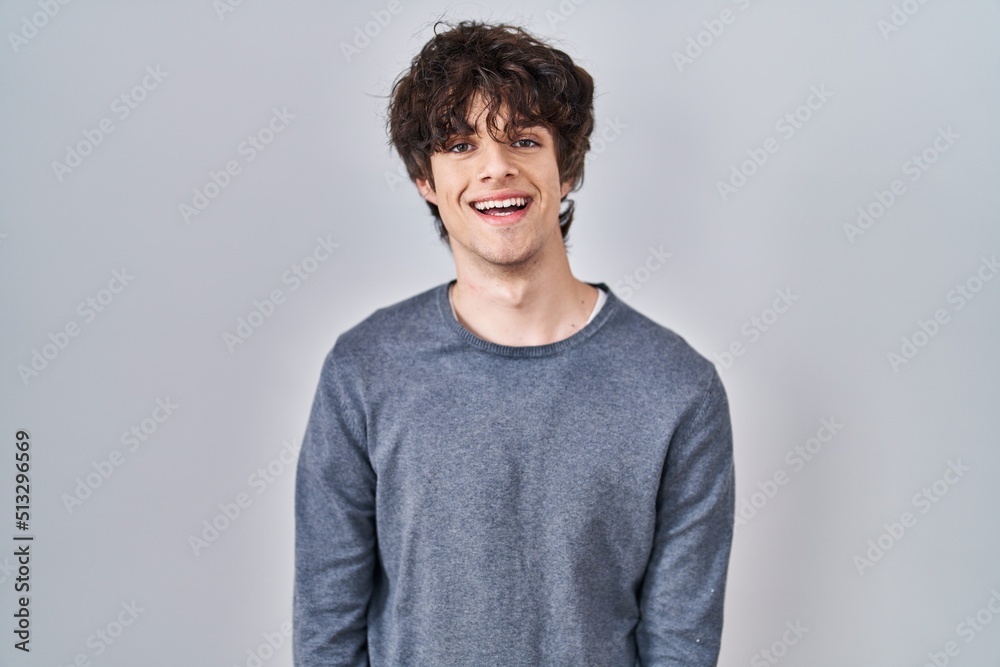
(527, 128)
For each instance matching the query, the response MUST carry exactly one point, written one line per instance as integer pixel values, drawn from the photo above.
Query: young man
(514, 467)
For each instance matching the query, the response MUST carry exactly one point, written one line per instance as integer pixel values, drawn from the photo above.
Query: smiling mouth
(501, 208)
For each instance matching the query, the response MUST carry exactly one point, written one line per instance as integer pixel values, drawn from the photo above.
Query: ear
(425, 190)
(564, 190)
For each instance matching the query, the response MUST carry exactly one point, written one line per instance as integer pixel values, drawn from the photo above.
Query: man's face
(475, 169)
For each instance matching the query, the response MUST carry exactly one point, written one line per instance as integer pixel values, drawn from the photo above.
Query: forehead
(477, 118)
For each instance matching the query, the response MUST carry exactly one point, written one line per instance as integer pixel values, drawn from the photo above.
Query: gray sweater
(464, 503)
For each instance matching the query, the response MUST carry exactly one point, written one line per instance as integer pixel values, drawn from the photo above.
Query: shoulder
(656, 345)
(659, 352)
(388, 331)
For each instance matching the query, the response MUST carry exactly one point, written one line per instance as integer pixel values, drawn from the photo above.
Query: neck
(534, 305)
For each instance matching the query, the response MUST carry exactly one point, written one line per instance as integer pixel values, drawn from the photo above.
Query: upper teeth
(500, 203)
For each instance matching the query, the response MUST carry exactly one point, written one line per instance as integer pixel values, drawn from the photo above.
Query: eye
(459, 148)
(526, 143)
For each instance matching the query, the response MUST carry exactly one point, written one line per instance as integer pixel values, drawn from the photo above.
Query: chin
(509, 254)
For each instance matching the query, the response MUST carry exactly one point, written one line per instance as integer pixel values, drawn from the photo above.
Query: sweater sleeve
(335, 538)
(681, 600)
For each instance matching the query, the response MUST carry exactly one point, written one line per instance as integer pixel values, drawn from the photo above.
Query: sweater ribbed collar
(607, 311)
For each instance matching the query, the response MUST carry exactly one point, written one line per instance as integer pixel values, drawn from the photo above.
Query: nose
(496, 161)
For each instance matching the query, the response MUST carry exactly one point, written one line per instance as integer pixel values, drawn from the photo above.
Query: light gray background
(670, 134)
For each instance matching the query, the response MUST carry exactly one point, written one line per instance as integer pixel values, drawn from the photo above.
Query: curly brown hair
(515, 73)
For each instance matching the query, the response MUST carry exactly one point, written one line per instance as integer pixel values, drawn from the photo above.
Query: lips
(502, 206)
(502, 212)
